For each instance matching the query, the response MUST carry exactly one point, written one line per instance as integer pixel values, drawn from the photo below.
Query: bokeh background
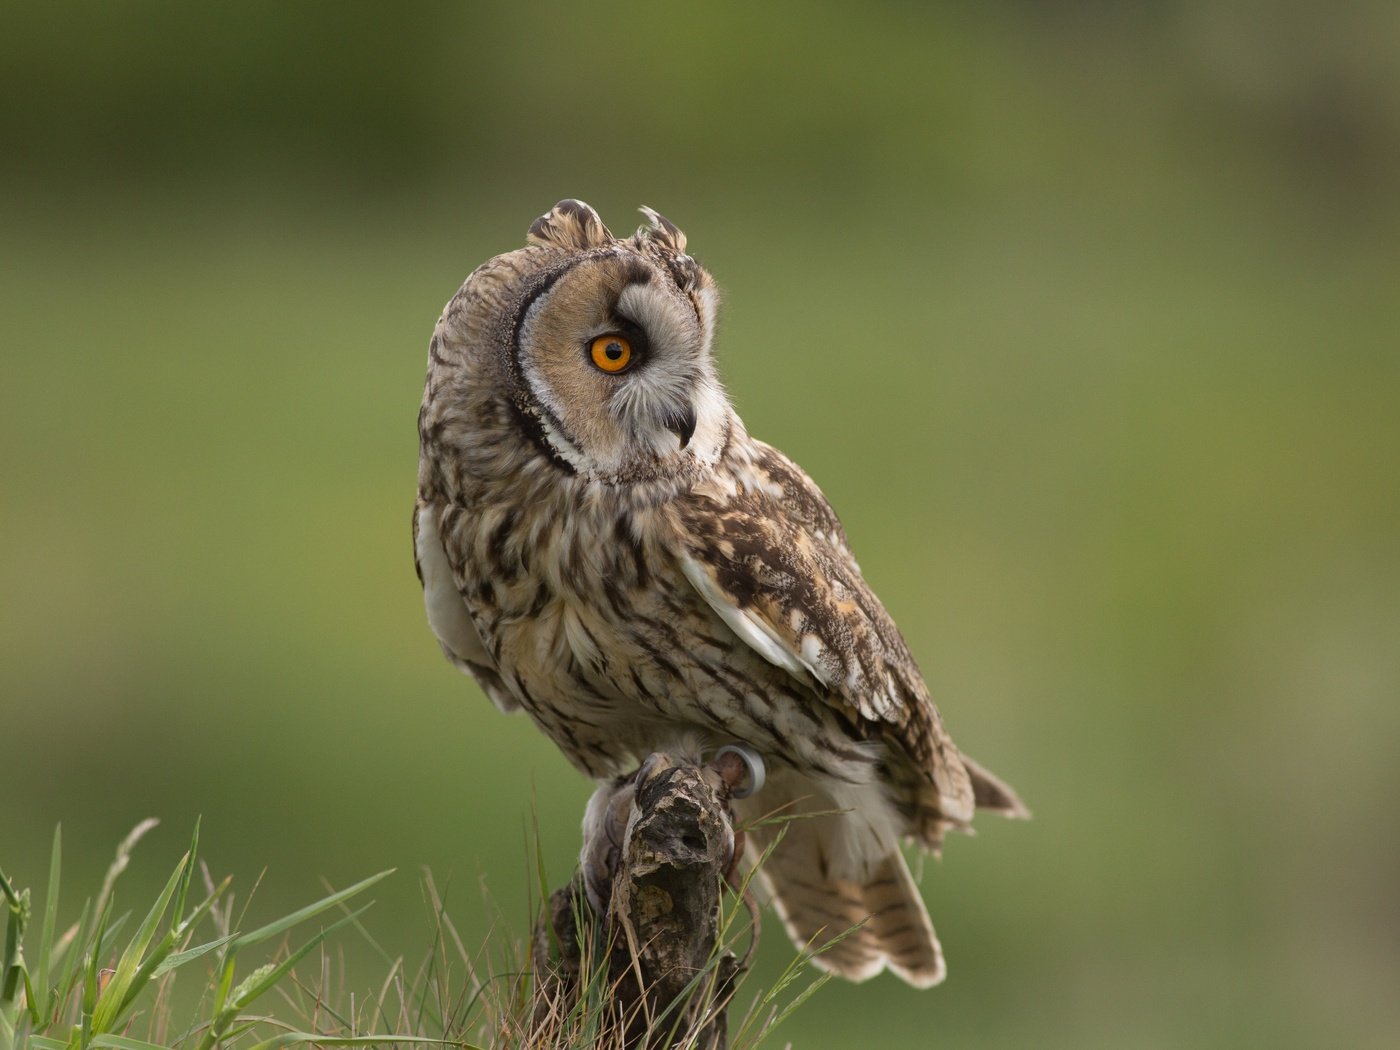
(1085, 316)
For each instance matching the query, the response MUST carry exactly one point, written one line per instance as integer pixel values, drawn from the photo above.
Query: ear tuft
(662, 231)
(569, 224)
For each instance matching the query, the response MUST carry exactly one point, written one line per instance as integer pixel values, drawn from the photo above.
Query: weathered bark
(656, 865)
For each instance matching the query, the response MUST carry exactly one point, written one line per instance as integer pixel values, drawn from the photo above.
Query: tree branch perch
(636, 933)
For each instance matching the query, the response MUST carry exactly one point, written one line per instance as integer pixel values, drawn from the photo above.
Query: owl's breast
(568, 597)
(593, 625)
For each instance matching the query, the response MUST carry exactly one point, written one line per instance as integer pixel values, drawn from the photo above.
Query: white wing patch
(755, 632)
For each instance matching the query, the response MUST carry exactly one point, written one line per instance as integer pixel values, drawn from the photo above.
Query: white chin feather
(665, 443)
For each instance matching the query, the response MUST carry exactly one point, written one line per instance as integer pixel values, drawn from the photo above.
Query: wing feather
(447, 613)
(755, 631)
(772, 560)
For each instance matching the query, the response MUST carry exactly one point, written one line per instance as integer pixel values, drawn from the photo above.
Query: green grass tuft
(93, 985)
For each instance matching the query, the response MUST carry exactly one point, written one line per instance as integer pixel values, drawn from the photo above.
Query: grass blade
(90, 982)
(293, 1038)
(285, 923)
(73, 948)
(123, 987)
(41, 973)
(247, 992)
(184, 893)
(121, 860)
(11, 897)
(121, 1042)
(180, 958)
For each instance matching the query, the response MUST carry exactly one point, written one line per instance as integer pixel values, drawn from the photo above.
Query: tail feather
(931, 819)
(901, 924)
(826, 917)
(842, 887)
(994, 794)
(839, 882)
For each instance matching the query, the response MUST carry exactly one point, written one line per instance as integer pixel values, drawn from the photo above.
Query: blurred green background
(1086, 318)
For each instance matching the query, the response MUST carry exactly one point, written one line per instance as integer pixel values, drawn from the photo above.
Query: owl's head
(601, 346)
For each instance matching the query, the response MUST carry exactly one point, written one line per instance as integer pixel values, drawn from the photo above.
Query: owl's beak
(682, 424)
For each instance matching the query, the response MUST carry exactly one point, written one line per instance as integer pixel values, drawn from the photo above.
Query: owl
(604, 547)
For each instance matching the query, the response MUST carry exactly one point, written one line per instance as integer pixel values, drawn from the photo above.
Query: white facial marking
(526, 338)
(563, 445)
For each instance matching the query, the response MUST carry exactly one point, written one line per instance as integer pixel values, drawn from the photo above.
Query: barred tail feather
(842, 887)
(901, 924)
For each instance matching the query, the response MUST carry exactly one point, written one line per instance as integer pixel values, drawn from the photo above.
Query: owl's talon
(745, 779)
(731, 872)
(648, 767)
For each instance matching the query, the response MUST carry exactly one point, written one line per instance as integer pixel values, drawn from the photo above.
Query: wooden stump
(655, 859)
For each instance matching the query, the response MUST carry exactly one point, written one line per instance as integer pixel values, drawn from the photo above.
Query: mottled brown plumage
(602, 545)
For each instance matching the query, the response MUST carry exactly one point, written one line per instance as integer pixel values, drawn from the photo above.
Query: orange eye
(611, 353)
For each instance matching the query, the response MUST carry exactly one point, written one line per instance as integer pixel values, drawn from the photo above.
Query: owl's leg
(604, 829)
(742, 770)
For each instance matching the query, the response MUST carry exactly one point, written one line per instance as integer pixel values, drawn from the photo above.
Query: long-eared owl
(603, 546)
